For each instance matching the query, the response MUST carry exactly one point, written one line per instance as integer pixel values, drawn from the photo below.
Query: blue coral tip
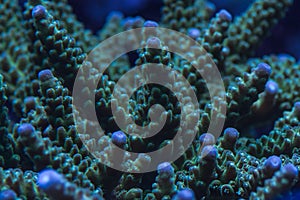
(39, 12)
(165, 168)
(29, 103)
(291, 170)
(271, 88)
(225, 15)
(263, 69)
(231, 134)
(297, 107)
(150, 23)
(273, 163)
(284, 57)
(209, 153)
(210, 6)
(153, 42)
(29, 99)
(137, 22)
(49, 179)
(127, 23)
(185, 194)
(25, 130)
(194, 33)
(207, 139)
(45, 75)
(115, 15)
(8, 195)
(119, 138)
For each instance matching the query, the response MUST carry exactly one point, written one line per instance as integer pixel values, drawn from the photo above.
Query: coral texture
(42, 153)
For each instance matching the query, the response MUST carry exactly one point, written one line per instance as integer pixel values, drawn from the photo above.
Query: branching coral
(42, 153)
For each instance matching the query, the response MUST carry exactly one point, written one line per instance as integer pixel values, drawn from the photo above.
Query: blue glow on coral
(49, 179)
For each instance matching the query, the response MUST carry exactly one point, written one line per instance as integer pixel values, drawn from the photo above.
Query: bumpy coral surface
(46, 154)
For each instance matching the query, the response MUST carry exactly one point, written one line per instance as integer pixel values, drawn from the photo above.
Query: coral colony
(42, 154)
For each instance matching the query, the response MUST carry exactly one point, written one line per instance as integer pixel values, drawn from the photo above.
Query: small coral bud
(225, 15)
(271, 88)
(25, 130)
(39, 12)
(150, 23)
(209, 153)
(185, 194)
(297, 106)
(165, 178)
(266, 99)
(8, 195)
(207, 139)
(119, 138)
(262, 69)
(115, 16)
(291, 171)
(284, 57)
(49, 179)
(194, 33)
(29, 100)
(225, 51)
(272, 164)
(165, 168)
(150, 28)
(29, 103)
(127, 23)
(138, 22)
(231, 135)
(209, 6)
(153, 42)
(207, 162)
(296, 110)
(45, 75)
(142, 161)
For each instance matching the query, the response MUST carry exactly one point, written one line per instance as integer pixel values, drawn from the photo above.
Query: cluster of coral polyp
(42, 155)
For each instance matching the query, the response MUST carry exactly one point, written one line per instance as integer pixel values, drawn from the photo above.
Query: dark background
(285, 37)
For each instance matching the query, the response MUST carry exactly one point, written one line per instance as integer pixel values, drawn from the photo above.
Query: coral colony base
(42, 153)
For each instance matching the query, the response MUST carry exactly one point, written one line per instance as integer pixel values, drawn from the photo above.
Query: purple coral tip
(225, 15)
(165, 168)
(209, 153)
(119, 138)
(207, 139)
(297, 107)
(291, 170)
(271, 88)
(8, 195)
(153, 42)
(29, 102)
(29, 99)
(231, 134)
(127, 23)
(185, 194)
(150, 23)
(194, 33)
(39, 12)
(45, 75)
(273, 163)
(48, 179)
(138, 22)
(263, 69)
(25, 130)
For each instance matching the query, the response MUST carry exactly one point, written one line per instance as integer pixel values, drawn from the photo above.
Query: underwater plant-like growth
(42, 153)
